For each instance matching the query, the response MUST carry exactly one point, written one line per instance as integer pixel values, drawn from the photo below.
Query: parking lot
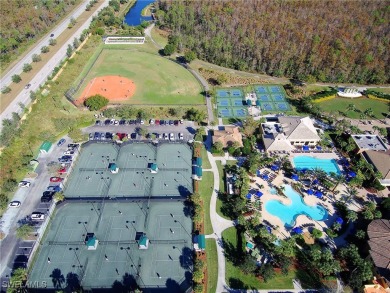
(169, 130)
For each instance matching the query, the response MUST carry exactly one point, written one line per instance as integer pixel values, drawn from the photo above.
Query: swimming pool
(306, 162)
(288, 213)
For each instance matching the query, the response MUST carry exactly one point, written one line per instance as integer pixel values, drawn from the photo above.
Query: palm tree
(375, 128)
(352, 216)
(351, 107)
(363, 116)
(369, 112)
(59, 196)
(339, 179)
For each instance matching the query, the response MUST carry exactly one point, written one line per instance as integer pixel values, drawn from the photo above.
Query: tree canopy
(333, 41)
(96, 102)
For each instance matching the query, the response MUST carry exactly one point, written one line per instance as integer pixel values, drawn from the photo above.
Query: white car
(14, 204)
(37, 216)
(171, 136)
(181, 136)
(142, 122)
(165, 136)
(24, 184)
(116, 122)
(68, 153)
(151, 122)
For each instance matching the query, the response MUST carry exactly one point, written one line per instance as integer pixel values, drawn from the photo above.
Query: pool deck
(310, 200)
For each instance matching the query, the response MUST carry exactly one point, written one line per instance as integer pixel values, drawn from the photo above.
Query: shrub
(316, 233)
(96, 102)
(36, 58)
(5, 90)
(27, 67)
(52, 42)
(169, 49)
(24, 231)
(45, 49)
(16, 78)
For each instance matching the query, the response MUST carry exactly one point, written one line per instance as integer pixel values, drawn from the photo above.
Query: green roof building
(143, 242)
(45, 147)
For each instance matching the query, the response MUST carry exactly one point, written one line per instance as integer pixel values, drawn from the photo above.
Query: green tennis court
(65, 262)
(91, 176)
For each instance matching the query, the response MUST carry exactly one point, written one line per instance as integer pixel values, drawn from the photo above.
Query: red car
(63, 170)
(56, 179)
(157, 122)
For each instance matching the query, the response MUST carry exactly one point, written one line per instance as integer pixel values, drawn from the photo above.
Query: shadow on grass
(237, 284)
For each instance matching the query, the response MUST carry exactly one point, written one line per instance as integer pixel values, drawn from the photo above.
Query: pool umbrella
(304, 170)
(310, 191)
(257, 103)
(297, 230)
(268, 229)
(318, 194)
(274, 168)
(259, 193)
(258, 173)
(295, 177)
(249, 102)
(265, 177)
(305, 147)
(249, 196)
(352, 174)
(315, 181)
(340, 220)
(318, 147)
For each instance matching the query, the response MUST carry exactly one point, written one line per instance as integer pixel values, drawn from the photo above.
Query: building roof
(379, 240)
(45, 146)
(228, 136)
(298, 128)
(380, 160)
(278, 143)
(202, 241)
(369, 142)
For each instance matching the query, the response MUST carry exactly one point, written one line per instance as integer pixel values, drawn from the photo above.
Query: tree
(69, 51)
(267, 272)
(36, 58)
(142, 131)
(27, 67)
(45, 49)
(196, 115)
(248, 264)
(336, 226)
(77, 135)
(352, 216)
(18, 278)
(316, 233)
(169, 49)
(24, 231)
(114, 4)
(351, 107)
(76, 43)
(72, 22)
(190, 56)
(249, 126)
(59, 196)
(52, 42)
(360, 234)
(218, 146)
(5, 90)
(96, 102)
(324, 261)
(16, 78)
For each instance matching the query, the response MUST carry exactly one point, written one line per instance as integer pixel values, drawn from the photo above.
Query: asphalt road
(41, 77)
(11, 247)
(18, 68)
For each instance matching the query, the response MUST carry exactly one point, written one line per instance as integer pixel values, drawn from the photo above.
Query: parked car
(108, 135)
(170, 122)
(151, 121)
(116, 122)
(112, 121)
(98, 122)
(176, 122)
(158, 136)
(90, 136)
(73, 145)
(51, 35)
(122, 122)
(181, 121)
(14, 204)
(165, 136)
(131, 122)
(133, 135)
(61, 142)
(181, 136)
(171, 136)
(69, 153)
(142, 122)
(24, 184)
(107, 122)
(157, 122)
(27, 86)
(63, 170)
(162, 122)
(37, 216)
(56, 179)
(55, 188)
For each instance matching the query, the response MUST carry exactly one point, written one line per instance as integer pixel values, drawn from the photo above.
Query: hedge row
(324, 99)
(370, 96)
(323, 94)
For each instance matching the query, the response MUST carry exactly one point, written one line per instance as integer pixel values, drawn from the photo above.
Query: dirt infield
(113, 87)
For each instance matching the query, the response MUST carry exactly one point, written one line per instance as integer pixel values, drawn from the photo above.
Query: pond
(133, 17)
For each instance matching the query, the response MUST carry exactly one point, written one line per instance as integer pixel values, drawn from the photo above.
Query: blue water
(273, 191)
(133, 17)
(305, 162)
(288, 213)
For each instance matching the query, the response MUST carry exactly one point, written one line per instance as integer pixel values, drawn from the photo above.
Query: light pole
(77, 257)
(176, 221)
(136, 267)
(84, 223)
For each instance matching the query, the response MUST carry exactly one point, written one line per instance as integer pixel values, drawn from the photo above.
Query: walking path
(218, 223)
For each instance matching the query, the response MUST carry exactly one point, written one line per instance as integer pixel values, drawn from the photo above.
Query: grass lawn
(340, 104)
(236, 279)
(205, 158)
(381, 90)
(212, 265)
(158, 80)
(205, 190)
(159, 37)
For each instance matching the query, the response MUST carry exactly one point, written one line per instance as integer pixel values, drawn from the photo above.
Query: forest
(326, 41)
(23, 21)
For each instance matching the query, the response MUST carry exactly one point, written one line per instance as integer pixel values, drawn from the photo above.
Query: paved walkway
(218, 223)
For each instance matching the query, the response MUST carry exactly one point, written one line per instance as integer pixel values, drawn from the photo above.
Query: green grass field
(205, 190)
(339, 104)
(158, 80)
(212, 265)
(238, 280)
(205, 158)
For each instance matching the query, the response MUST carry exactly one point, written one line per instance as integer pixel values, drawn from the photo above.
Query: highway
(41, 76)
